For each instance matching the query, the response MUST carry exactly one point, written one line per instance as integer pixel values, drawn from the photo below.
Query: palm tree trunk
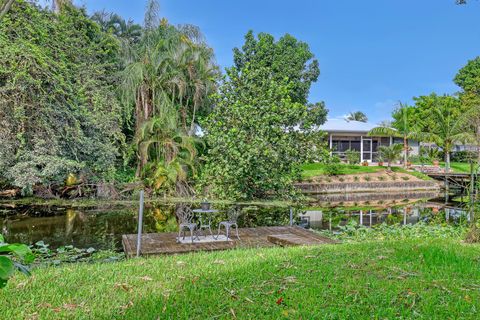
(447, 161)
(405, 151)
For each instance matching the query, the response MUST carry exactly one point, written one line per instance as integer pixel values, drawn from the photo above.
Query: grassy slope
(317, 169)
(402, 279)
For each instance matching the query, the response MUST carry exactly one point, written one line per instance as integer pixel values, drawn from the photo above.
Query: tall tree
(357, 116)
(448, 131)
(168, 77)
(112, 22)
(286, 60)
(261, 128)
(58, 113)
(402, 127)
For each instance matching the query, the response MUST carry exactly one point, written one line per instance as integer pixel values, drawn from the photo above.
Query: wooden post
(140, 223)
(291, 216)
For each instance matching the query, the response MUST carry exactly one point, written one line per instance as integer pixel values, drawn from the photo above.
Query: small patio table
(207, 222)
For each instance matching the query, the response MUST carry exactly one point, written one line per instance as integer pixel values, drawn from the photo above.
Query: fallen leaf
(70, 306)
(219, 262)
(467, 298)
(180, 263)
(280, 300)
(290, 279)
(123, 286)
(248, 300)
(128, 305)
(233, 313)
(310, 257)
(146, 278)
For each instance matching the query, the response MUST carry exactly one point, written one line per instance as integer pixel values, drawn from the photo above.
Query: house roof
(341, 125)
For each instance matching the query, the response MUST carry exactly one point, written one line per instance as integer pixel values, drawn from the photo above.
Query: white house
(344, 135)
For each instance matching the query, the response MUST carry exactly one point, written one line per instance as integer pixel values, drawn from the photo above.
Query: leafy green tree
(421, 113)
(448, 131)
(402, 127)
(287, 60)
(258, 137)
(357, 116)
(390, 153)
(58, 110)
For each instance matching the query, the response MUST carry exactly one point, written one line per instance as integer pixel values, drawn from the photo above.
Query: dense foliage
(261, 129)
(58, 110)
(168, 78)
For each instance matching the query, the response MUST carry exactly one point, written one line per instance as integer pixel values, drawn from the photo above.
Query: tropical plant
(432, 154)
(11, 257)
(401, 127)
(390, 153)
(170, 157)
(112, 22)
(353, 156)
(357, 116)
(448, 131)
(168, 77)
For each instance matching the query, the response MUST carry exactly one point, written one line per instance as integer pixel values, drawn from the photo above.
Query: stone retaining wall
(374, 186)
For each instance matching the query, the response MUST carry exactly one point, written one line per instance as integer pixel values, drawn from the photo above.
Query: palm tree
(57, 5)
(401, 128)
(169, 75)
(390, 153)
(169, 156)
(448, 131)
(112, 22)
(357, 116)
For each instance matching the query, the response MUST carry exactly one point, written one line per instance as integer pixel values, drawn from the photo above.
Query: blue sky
(372, 53)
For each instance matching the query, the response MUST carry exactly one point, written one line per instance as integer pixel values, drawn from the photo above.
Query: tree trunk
(405, 151)
(5, 7)
(447, 161)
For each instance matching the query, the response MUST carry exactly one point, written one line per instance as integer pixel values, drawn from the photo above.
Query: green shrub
(353, 156)
(463, 156)
(367, 178)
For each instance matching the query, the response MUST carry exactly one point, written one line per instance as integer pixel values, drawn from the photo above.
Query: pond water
(102, 228)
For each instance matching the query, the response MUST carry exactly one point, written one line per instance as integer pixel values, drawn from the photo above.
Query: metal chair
(232, 216)
(185, 220)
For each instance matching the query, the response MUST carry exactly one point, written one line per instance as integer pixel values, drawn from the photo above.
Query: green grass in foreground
(383, 280)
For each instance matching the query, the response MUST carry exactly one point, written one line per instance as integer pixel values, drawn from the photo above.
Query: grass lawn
(317, 169)
(393, 279)
(460, 167)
